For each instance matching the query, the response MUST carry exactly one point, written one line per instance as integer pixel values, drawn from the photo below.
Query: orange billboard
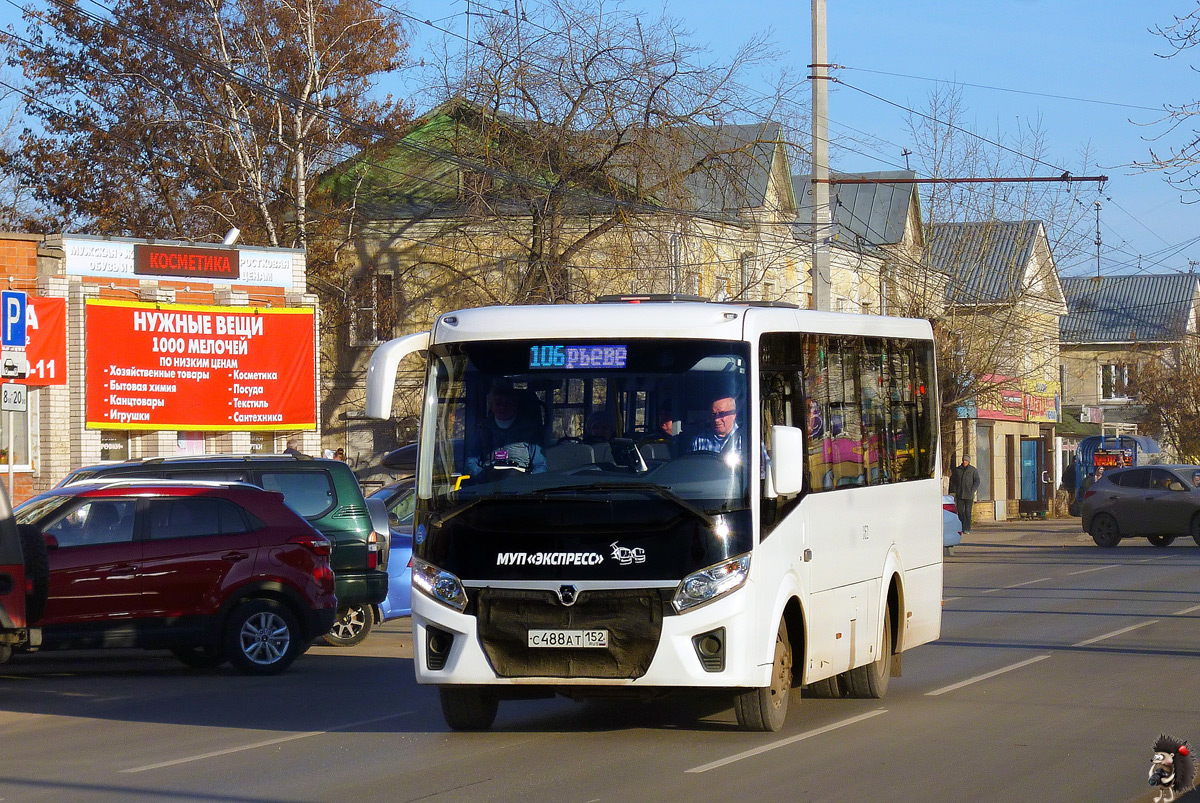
(189, 367)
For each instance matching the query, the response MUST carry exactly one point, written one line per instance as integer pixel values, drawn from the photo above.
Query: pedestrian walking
(964, 482)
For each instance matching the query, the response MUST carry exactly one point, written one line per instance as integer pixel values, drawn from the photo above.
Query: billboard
(46, 341)
(190, 367)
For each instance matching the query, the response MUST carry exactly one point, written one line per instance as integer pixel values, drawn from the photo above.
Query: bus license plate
(568, 638)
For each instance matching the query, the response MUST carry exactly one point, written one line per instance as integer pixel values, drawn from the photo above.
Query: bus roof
(681, 319)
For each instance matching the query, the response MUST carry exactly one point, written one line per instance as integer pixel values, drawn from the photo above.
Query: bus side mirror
(787, 460)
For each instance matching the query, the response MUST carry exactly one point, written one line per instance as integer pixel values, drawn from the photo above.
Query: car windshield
(34, 510)
(587, 418)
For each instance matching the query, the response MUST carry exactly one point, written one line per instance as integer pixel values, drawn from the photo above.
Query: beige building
(1001, 327)
(1114, 325)
(440, 233)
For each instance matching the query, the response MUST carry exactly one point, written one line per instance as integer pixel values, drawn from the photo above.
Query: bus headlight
(438, 584)
(708, 584)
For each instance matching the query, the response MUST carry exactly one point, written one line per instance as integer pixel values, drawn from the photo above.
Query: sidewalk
(1041, 532)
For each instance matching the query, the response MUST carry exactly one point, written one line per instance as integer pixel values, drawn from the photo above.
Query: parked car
(24, 581)
(951, 524)
(325, 492)
(213, 572)
(1159, 503)
(400, 501)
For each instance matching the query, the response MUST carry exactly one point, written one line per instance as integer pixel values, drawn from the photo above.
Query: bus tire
(765, 708)
(831, 688)
(872, 680)
(468, 708)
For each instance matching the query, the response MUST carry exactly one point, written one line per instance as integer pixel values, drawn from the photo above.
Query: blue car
(400, 500)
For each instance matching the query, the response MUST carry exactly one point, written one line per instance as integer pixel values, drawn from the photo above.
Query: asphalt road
(1059, 665)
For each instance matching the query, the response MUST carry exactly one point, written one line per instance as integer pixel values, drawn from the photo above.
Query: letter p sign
(12, 309)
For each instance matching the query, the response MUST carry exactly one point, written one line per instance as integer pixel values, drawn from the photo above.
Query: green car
(325, 492)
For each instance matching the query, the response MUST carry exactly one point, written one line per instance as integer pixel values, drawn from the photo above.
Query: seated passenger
(504, 440)
(600, 428)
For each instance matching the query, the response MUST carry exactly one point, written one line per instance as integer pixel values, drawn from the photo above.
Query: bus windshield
(583, 418)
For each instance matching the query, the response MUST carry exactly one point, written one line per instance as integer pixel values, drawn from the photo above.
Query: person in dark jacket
(964, 482)
(505, 439)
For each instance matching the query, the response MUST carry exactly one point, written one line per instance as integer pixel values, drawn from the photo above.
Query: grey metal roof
(876, 213)
(738, 178)
(986, 261)
(1126, 309)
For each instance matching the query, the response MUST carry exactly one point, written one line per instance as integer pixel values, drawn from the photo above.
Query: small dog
(1172, 769)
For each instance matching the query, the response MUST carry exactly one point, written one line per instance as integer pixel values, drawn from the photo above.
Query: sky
(1084, 72)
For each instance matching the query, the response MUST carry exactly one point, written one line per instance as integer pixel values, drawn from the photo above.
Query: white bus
(648, 494)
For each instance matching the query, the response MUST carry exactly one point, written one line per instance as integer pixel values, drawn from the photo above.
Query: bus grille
(633, 619)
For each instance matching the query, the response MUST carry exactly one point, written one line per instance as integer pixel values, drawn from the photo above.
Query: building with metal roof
(1113, 327)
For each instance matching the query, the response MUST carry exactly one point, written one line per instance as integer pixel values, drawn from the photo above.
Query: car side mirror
(51, 541)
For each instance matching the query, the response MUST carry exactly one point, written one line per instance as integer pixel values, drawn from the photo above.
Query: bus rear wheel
(872, 680)
(765, 708)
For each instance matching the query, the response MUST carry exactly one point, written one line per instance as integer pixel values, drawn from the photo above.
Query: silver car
(1159, 503)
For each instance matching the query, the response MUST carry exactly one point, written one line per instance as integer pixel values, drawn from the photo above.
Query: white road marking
(1186, 611)
(1114, 633)
(785, 742)
(1093, 569)
(1016, 585)
(985, 676)
(266, 743)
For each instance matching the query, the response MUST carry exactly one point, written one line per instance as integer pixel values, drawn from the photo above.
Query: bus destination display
(557, 355)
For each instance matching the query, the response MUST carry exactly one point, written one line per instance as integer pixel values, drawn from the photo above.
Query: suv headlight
(709, 584)
(438, 584)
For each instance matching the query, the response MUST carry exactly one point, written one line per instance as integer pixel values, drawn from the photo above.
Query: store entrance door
(1034, 499)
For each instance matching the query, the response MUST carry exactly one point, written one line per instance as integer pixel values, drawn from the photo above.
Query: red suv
(213, 572)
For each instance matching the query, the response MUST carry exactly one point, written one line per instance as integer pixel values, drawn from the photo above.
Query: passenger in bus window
(600, 428)
(816, 425)
(505, 440)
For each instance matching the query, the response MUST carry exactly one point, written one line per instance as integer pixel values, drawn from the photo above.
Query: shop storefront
(140, 348)
(1011, 428)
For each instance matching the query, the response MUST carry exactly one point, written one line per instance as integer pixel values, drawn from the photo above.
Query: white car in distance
(951, 524)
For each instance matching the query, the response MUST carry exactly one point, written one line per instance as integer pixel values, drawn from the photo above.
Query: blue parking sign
(12, 310)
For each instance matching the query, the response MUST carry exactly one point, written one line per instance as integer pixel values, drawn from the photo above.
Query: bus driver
(504, 440)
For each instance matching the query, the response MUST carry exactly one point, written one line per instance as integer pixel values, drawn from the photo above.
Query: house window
(20, 438)
(1116, 381)
(373, 310)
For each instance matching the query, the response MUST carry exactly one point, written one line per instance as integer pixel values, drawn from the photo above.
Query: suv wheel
(1105, 531)
(353, 624)
(37, 571)
(199, 657)
(261, 637)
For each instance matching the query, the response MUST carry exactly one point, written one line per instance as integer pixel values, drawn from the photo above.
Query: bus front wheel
(765, 708)
(468, 708)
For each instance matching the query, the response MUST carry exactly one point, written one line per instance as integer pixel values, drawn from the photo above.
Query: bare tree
(1169, 396)
(584, 133)
(991, 287)
(1179, 163)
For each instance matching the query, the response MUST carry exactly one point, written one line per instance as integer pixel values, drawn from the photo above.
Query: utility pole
(1097, 240)
(821, 218)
